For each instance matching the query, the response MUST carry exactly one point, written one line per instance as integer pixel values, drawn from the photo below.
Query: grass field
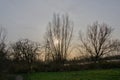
(111, 74)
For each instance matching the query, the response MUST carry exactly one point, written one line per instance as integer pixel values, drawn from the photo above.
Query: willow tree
(98, 41)
(58, 38)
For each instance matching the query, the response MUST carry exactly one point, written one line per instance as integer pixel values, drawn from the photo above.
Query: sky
(29, 18)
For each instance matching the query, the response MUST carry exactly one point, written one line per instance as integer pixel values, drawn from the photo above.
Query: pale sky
(29, 18)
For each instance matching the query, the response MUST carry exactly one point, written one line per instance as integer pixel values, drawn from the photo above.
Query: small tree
(97, 42)
(116, 52)
(58, 38)
(25, 51)
(3, 52)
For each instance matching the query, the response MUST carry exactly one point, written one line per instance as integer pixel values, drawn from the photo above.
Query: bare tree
(3, 51)
(58, 38)
(116, 52)
(26, 51)
(98, 41)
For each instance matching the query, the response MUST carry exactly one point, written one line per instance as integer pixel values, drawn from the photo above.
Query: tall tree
(58, 38)
(98, 41)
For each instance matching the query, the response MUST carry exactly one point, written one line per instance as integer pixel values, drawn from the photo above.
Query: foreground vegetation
(109, 74)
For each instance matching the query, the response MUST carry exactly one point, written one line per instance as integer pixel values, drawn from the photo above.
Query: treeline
(97, 49)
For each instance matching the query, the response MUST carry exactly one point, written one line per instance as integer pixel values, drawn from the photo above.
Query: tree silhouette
(98, 41)
(58, 38)
(25, 51)
(3, 52)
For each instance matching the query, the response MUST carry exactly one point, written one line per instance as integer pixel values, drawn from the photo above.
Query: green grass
(111, 74)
